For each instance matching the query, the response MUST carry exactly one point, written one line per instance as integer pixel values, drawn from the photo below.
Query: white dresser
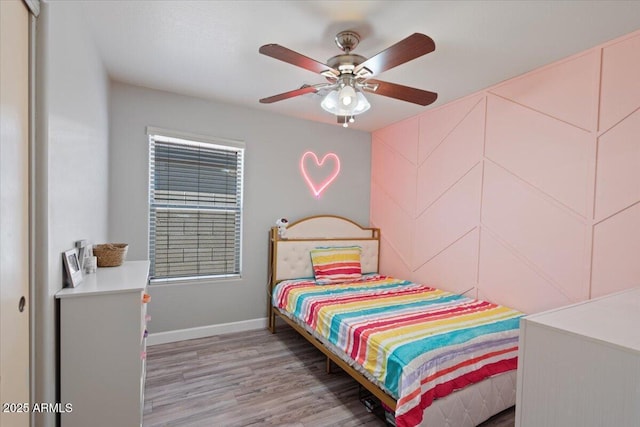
(580, 365)
(102, 347)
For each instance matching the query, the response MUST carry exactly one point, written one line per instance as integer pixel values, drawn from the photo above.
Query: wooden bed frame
(289, 259)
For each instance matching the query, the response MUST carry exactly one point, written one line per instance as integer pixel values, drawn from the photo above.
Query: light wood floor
(253, 379)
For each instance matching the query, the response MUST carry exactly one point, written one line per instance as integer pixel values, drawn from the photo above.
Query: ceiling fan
(349, 74)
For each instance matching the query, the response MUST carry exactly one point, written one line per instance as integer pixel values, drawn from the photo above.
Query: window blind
(195, 209)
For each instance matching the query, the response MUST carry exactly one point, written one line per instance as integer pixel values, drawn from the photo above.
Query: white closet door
(14, 213)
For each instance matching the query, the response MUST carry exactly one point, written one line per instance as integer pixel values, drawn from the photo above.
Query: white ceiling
(210, 48)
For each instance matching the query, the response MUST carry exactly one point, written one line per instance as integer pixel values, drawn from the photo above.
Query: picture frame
(85, 252)
(72, 268)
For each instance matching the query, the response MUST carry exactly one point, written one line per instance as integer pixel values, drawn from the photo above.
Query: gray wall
(273, 188)
(72, 127)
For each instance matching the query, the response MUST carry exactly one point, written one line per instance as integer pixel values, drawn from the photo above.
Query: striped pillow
(336, 264)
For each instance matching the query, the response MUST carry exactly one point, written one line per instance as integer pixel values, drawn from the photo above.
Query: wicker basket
(110, 254)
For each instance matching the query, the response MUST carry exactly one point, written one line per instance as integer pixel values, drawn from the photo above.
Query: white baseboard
(206, 331)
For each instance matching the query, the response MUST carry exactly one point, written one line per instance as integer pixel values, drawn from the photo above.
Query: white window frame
(183, 138)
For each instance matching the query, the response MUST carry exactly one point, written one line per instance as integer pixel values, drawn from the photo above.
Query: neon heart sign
(330, 175)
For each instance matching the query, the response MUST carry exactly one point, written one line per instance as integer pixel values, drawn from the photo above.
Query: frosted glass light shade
(331, 103)
(347, 97)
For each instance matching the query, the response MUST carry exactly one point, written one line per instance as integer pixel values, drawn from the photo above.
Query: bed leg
(272, 322)
(271, 319)
(328, 367)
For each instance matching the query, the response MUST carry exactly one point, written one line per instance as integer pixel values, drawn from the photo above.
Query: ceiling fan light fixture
(362, 105)
(347, 96)
(332, 104)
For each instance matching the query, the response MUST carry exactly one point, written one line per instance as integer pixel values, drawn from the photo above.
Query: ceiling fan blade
(404, 93)
(287, 55)
(286, 95)
(405, 50)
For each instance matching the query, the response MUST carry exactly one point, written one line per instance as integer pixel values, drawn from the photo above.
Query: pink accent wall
(528, 192)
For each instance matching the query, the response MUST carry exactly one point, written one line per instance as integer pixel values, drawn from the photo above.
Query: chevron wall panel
(435, 126)
(399, 183)
(403, 138)
(620, 88)
(454, 268)
(460, 151)
(513, 281)
(566, 91)
(451, 217)
(528, 191)
(618, 173)
(616, 252)
(543, 232)
(545, 152)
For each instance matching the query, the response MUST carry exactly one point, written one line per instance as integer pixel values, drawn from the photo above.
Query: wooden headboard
(290, 257)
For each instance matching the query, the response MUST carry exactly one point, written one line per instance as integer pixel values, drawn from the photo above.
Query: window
(195, 207)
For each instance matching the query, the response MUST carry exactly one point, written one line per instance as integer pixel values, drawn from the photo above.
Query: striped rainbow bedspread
(417, 342)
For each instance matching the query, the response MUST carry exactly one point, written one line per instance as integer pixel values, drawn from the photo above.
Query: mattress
(415, 342)
(473, 404)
